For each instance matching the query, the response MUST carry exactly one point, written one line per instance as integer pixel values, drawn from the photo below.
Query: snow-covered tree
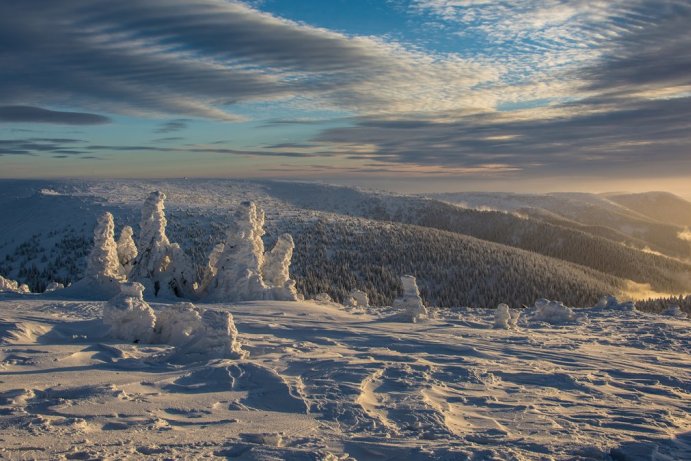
(411, 303)
(161, 266)
(12, 286)
(239, 266)
(104, 274)
(358, 298)
(505, 318)
(276, 269)
(241, 271)
(127, 250)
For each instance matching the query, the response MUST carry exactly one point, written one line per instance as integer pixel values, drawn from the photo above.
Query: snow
(413, 310)
(323, 382)
(553, 312)
(505, 318)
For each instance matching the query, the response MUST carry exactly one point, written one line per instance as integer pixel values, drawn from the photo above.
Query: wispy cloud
(29, 114)
(203, 57)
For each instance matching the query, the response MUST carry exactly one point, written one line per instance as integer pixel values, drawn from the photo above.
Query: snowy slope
(323, 383)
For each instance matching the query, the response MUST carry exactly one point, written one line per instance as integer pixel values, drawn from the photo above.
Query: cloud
(172, 126)
(36, 146)
(205, 57)
(589, 136)
(29, 114)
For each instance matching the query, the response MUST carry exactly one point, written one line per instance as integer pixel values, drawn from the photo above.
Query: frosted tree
(240, 270)
(103, 267)
(12, 286)
(160, 265)
(411, 303)
(239, 266)
(276, 269)
(505, 318)
(358, 298)
(127, 250)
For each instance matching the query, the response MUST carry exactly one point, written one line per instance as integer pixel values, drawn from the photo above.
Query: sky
(411, 95)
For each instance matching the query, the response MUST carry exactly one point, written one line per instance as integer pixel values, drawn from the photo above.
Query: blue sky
(418, 94)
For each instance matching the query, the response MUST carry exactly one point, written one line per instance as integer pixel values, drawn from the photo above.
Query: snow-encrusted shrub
(216, 337)
(177, 323)
(612, 303)
(127, 250)
(358, 298)
(12, 286)
(241, 271)
(505, 318)
(53, 286)
(323, 298)
(128, 316)
(553, 312)
(161, 266)
(674, 311)
(413, 309)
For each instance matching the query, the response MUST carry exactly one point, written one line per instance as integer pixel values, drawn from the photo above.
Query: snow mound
(128, 316)
(553, 312)
(12, 286)
(674, 311)
(505, 318)
(410, 302)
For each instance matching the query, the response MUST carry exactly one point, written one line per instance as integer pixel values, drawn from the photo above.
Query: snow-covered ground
(323, 381)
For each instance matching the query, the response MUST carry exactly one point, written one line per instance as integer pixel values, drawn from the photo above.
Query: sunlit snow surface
(327, 382)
